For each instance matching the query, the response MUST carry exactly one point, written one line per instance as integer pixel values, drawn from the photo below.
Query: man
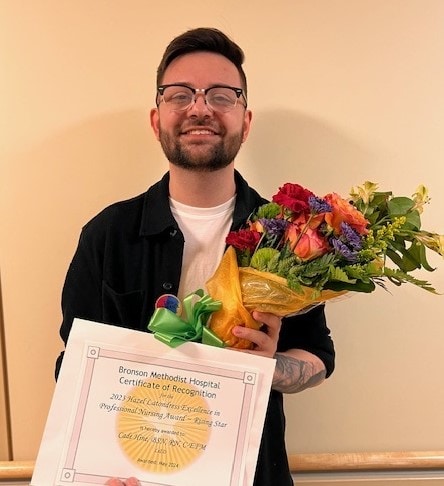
(171, 239)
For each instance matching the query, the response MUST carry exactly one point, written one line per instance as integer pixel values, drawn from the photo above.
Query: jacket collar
(157, 216)
(247, 200)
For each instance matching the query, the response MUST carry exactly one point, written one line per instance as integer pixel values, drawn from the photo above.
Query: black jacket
(131, 253)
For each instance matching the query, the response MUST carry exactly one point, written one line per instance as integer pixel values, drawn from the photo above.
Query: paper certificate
(126, 404)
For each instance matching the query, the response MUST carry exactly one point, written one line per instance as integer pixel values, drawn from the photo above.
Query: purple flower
(274, 227)
(343, 250)
(318, 205)
(351, 237)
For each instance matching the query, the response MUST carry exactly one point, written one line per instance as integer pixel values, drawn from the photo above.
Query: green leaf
(380, 201)
(294, 284)
(400, 206)
(413, 221)
(337, 274)
(262, 257)
(398, 277)
(414, 257)
(243, 258)
(410, 258)
(365, 287)
(381, 198)
(373, 217)
(397, 259)
(282, 265)
(423, 257)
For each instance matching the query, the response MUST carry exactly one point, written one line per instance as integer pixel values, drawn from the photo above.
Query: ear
(154, 119)
(247, 124)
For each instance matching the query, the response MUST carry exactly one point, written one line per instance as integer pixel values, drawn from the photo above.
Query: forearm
(297, 370)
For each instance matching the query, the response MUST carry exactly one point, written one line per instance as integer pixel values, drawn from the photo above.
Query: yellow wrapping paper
(243, 290)
(225, 284)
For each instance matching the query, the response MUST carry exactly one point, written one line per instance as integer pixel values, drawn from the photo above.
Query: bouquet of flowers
(300, 250)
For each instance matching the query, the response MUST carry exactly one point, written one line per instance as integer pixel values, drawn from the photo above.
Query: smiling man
(172, 238)
(203, 128)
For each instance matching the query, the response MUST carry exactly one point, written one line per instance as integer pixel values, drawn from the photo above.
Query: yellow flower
(420, 197)
(431, 240)
(363, 192)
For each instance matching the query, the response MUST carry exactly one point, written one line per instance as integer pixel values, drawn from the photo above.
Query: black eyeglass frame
(238, 91)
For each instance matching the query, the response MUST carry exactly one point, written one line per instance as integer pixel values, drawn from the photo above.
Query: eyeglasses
(179, 97)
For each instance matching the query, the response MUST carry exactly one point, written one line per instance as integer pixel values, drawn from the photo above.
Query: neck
(202, 189)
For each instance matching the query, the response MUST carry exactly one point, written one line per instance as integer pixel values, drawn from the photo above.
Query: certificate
(126, 404)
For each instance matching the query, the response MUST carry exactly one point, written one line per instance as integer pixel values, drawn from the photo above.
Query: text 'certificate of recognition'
(126, 405)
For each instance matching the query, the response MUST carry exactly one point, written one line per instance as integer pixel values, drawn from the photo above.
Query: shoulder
(129, 213)
(119, 213)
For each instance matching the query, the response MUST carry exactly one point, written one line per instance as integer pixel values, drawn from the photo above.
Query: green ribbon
(172, 330)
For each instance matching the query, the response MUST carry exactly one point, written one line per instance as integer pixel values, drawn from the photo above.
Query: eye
(180, 97)
(177, 95)
(222, 96)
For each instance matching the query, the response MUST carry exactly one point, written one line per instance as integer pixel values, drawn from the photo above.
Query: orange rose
(307, 245)
(344, 212)
(256, 226)
(313, 221)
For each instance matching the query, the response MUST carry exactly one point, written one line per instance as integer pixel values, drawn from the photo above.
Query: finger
(263, 344)
(132, 482)
(271, 319)
(272, 322)
(117, 482)
(256, 336)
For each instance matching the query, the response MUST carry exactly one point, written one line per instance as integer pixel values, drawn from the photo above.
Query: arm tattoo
(294, 375)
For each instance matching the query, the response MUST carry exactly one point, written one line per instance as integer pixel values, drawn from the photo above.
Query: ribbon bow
(171, 329)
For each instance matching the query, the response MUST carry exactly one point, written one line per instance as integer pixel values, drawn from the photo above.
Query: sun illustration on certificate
(164, 426)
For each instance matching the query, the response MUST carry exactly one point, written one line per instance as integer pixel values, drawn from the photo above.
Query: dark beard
(220, 157)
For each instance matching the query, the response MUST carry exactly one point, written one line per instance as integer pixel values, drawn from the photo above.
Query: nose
(200, 104)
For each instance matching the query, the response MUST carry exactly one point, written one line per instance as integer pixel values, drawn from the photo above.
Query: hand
(118, 482)
(266, 338)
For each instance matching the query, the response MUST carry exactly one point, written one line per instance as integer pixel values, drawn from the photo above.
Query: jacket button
(167, 285)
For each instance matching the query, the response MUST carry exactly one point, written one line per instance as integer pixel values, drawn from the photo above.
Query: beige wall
(342, 91)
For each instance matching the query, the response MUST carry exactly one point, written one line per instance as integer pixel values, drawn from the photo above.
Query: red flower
(293, 197)
(243, 239)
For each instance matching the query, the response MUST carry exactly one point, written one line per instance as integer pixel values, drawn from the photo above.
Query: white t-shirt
(204, 230)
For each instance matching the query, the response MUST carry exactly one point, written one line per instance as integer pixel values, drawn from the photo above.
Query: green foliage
(398, 277)
(268, 211)
(399, 206)
(393, 236)
(262, 257)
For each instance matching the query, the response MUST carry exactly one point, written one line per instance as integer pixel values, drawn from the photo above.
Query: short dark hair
(203, 39)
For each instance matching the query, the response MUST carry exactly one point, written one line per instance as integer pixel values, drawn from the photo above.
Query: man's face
(200, 138)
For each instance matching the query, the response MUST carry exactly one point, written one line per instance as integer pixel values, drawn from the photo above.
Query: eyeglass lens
(180, 98)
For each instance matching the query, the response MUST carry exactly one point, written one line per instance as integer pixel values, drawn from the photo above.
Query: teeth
(200, 132)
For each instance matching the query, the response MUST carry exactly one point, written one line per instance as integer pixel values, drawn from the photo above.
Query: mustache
(201, 122)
